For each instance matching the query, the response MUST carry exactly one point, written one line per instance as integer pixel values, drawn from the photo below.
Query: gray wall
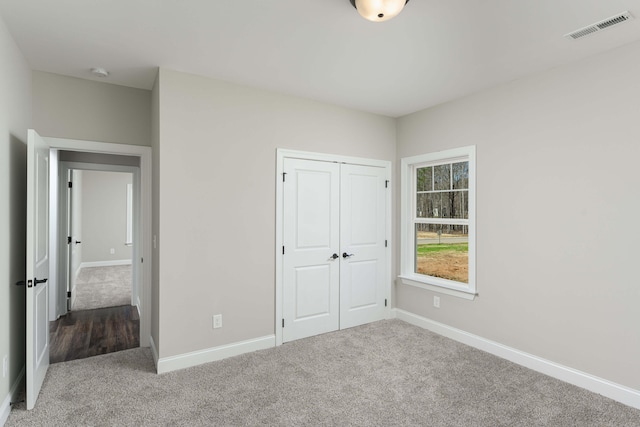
(104, 216)
(99, 158)
(67, 107)
(217, 164)
(557, 201)
(15, 119)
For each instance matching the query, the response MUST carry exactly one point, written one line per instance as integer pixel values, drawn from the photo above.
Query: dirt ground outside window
(447, 261)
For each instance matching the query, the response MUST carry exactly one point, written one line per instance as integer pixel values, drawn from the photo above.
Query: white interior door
(362, 245)
(311, 264)
(37, 264)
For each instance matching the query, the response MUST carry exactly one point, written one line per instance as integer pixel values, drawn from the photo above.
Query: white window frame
(408, 276)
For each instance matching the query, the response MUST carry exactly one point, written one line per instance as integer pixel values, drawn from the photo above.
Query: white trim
(618, 392)
(419, 283)
(281, 154)
(194, 358)
(98, 147)
(336, 158)
(143, 250)
(5, 408)
(407, 231)
(54, 309)
(390, 240)
(109, 263)
(128, 238)
(154, 352)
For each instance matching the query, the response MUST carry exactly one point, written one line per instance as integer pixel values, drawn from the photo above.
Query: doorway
(98, 290)
(333, 253)
(133, 248)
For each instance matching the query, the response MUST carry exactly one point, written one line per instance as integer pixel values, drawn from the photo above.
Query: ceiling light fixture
(99, 72)
(378, 10)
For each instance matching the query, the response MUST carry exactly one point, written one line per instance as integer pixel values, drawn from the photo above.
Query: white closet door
(311, 265)
(362, 243)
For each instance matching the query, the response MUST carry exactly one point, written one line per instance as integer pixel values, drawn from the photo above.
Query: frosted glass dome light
(378, 10)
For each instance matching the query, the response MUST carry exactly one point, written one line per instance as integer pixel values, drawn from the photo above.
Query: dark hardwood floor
(88, 333)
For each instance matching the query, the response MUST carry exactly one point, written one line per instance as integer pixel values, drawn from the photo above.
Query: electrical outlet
(112, 251)
(5, 366)
(436, 301)
(217, 321)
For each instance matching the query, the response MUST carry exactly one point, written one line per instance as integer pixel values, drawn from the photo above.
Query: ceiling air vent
(599, 26)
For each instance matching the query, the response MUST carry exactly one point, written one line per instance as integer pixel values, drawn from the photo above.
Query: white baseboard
(5, 408)
(620, 393)
(105, 263)
(181, 361)
(154, 351)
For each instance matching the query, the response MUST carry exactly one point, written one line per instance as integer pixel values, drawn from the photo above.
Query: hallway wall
(104, 216)
(68, 107)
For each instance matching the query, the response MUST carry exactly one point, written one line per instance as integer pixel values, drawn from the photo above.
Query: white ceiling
(434, 51)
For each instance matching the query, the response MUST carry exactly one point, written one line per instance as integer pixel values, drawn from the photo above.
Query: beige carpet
(388, 373)
(99, 287)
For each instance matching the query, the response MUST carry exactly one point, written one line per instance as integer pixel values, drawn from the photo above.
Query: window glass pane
(445, 204)
(429, 205)
(443, 251)
(460, 205)
(442, 177)
(422, 206)
(461, 175)
(423, 179)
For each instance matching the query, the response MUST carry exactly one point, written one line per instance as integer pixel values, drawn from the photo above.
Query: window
(438, 221)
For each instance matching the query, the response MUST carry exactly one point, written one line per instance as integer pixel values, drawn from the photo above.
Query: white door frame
(281, 154)
(144, 224)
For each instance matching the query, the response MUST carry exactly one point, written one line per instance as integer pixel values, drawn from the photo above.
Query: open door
(37, 264)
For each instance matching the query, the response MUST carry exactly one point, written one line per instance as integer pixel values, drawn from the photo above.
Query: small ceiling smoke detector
(99, 72)
(599, 26)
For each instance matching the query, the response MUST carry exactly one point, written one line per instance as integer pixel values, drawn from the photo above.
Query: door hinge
(70, 184)
(68, 294)
(141, 260)
(385, 302)
(283, 323)
(68, 240)
(283, 250)
(386, 184)
(284, 176)
(386, 243)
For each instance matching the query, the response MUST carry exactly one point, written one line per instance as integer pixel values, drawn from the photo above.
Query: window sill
(419, 283)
